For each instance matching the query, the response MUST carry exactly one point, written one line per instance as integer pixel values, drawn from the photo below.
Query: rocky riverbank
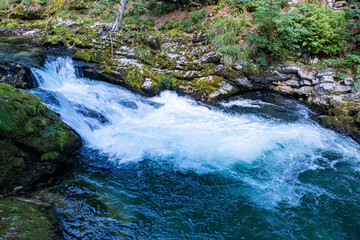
(147, 60)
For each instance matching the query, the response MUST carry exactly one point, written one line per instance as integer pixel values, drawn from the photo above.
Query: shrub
(139, 7)
(194, 22)
(74, 16)
(240, 6)
(223, 35)
(326, 29)
(316, 28)
(166, 82)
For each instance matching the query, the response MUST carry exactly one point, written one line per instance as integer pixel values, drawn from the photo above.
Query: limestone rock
(16, 75)
(27, 219)
(242, 82)
(305, 91)
(284, 89)
(357, 118)
(342, 89)
(293, 83)
(325, 72)
(289, 69)
(327, 79)
(199, 37)
(348, 81)
(24, 13)
(325, 88)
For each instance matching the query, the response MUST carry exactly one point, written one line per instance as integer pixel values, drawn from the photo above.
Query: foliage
(266, 15)
(74, 16)
(240, 6)
(327, 29)
(142, 52)
(166, 82)
(223, 35)
(42, 2)
(195, 21)
(343, 65)
(139, 7)
(316, 28)
(135, 78)
(50, 156)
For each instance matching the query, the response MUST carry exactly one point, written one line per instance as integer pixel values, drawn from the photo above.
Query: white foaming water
(174, 129)
(246, 103)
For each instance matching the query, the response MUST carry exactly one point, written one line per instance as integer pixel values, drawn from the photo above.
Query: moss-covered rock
(24, 13)
(33, 140)
(26, 121)
(342, 123)
(27, 220)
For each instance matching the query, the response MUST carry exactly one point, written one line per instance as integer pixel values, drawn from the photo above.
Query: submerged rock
(33, 140)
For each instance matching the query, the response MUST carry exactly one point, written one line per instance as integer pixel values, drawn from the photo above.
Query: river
(254, 166)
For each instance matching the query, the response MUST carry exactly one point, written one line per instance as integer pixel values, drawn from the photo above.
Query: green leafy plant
(74, 16)
(139, 7)
(166, 82)
(194, 22)
(42, 2)
(224, 35)
(317, 29)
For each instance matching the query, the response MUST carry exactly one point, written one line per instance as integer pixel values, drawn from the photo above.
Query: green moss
(86, 55)
(49, 156)
(135, 78)
(206, 86)
(22, 220)
(166, 82)
(35, 24)
(25, 120)
(173, 33)
(12, 166)
(9, 23)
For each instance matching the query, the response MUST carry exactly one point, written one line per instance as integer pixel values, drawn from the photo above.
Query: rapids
(252, 167)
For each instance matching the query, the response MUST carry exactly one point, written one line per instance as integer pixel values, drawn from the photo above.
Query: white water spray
(169, 128)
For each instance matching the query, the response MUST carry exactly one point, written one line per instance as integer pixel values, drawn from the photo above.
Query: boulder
(199, 36)
(292, 83)
(305, 91)
(342, 89)
(25, 120)
(33, 140)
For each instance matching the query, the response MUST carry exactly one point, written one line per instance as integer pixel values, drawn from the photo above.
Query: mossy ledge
(27, 219)
(33, 140)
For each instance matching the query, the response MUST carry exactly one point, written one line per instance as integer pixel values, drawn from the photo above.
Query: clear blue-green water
(251, 167)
